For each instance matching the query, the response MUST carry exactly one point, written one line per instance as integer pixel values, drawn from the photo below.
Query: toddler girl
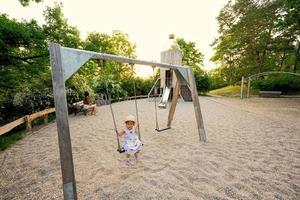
(132, 144)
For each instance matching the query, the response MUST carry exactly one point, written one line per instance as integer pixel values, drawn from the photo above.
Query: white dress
(131, 141)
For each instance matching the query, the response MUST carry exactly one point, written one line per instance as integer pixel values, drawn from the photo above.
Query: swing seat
(160, 130)
(121, 150)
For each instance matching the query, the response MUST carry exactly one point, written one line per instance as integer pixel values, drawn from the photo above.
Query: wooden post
(46, 119)
(64, 140)
(242, 87)
(248, 89)
(28, 123)
(172, 56)
(173, 104)
(195, 98)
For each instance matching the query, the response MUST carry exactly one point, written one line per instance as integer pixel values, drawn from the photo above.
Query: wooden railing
(128, 98)
(28, 119)
(133, 97)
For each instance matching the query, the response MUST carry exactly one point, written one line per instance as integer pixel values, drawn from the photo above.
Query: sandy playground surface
(252, 152)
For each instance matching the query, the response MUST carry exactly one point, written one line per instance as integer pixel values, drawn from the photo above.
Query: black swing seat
(160, 130)
(121, 150)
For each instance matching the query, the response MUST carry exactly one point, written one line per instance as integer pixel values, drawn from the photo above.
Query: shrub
(282, 82)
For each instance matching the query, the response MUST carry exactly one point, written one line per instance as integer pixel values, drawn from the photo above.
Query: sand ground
(252, 152)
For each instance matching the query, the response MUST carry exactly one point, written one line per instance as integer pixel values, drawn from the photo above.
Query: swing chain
(135, 100)
(108, 94)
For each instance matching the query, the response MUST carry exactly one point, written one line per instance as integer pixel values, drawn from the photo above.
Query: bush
(143, 86)
(217, 78)
(113, 86)
(31, 101)
(203, 83)
(24, 102)
(28, 101)
(282, 82)
(124, 87)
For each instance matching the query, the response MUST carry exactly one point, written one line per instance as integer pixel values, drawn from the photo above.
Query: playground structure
(165, 97)
(168, 77)
(65, 62)
(250, 78)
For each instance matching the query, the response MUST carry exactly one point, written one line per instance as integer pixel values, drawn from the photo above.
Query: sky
(147, 22)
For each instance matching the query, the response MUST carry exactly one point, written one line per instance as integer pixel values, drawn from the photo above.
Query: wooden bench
(270, 93)
(79, 107)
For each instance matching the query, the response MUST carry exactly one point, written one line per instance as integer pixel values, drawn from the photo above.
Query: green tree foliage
(194, 58)
(26, 85)
(26, 2)
(289, 24)
(23, 61)
(191, 55)
(282, 82)
(217, 78)
(257, 36)
(117, 44)
(124, 87)
(57, 29)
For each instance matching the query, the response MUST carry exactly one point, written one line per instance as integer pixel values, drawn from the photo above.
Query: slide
(165, 97)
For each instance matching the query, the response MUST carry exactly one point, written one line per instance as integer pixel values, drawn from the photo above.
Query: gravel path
(252, 152)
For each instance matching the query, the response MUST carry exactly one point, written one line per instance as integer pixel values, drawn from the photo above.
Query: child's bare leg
(94, 109)
(136, 155)
(128, 160)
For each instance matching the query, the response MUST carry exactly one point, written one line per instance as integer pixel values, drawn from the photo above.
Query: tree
(25, 84)
(117, 44)
(217, 78)
(26, 2)
(255, 36)
(289, 23)
(24, 64)
(191, 55)
(194, 58)
(23, 52)
(57, 29)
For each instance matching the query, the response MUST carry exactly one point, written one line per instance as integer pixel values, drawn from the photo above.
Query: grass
(232, 91)
(19, 132)
(8, 139)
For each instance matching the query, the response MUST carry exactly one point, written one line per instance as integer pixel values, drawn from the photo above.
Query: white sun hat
(130, 118)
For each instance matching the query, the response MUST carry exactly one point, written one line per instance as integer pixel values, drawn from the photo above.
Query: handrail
(273, 72)
(7, 127)
(27, 119)
(44, 113)
(250, 78)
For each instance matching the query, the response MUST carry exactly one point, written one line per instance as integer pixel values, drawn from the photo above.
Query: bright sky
(147, 22)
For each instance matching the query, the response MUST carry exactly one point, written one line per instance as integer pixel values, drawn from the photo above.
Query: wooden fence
(28, 119)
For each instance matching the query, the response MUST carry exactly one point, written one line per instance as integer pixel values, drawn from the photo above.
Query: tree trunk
(282, 61)
(258, 61)
(296, 60)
